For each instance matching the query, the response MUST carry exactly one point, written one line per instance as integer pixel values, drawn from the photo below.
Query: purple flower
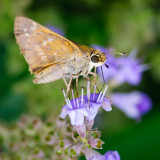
(95, 101)
(56, 30)
(85, 106)
(110, 155)
(134, 104)
(76, 110)
(91, 154)
(122, 69)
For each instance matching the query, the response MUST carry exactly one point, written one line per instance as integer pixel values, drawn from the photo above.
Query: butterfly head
(98, 58)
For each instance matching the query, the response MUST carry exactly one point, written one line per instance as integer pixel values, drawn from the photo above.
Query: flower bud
(95, 143)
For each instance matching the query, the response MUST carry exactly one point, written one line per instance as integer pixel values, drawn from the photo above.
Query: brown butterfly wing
(45, 51)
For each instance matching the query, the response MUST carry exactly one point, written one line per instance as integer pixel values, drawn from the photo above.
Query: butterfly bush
(126, 69)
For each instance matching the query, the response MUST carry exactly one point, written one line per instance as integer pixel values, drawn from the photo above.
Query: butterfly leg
(77, 76)
(77, 86)
(88, 89)
(88, 92)
(95, 76)
(94, 80)
(68, 84)
(68, 87)
(65, 82)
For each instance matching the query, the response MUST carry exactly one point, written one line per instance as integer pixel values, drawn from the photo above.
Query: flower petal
(133, 104)
(106, 104)
(112, 155)
(92, 109)
(76, 117)
(63, 112)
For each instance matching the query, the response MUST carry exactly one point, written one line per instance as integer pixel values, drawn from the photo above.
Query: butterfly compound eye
(95, 59)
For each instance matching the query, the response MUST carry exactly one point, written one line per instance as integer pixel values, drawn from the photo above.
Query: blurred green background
(123, 24)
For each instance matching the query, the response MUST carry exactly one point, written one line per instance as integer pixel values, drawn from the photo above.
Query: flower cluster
(34, 139)
(63, 140)
(82, 111)
(123, 69)
(126, 69)
(85, 106)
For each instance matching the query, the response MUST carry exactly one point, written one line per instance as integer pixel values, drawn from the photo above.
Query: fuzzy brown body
(51, 56)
